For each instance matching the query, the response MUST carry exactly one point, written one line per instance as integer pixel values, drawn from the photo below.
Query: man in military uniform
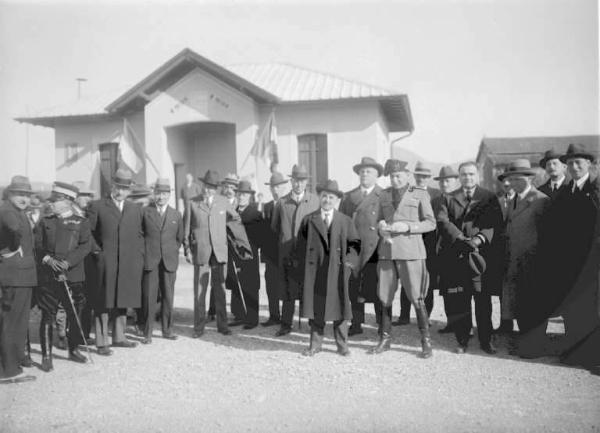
(362, 205)
(62, 243)
(405, 214)
(17, 278)
(287, 217)
(269, 252)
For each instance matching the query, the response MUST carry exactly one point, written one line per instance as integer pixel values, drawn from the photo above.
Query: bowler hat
(84, 190)
(520, 167)
(20, 184)
(299, 172)
(422, 169)
(231, 179)
(367, 161)
(210, 178)
(394, 165)
(446, 172)
(577, 151)
(162, 184)
(123, 178)
(549, 155)
(140, 191)
(245, 186)
(66, 189)
(276, 179)
(330, 186)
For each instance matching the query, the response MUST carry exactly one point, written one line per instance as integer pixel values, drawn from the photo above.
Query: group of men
(538, 249)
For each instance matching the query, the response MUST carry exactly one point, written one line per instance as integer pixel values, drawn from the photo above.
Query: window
(71, 152)
(312, 154)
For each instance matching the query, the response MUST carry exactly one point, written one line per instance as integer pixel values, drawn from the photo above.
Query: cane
(239, 286)
(62, 278)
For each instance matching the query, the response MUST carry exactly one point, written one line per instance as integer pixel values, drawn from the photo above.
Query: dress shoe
(401, 321)
(284, 330)
(198, 334)
(27, 362)
(146, 340)
(271, 322)
(236, 322)
(75, 355)
(310, 351)
(90, 341)
(489, 349)
(460, 350)
(445, 330)
(250, 326)
(17, 379)
(125, 343)
(61, 343)
(225, 332)
(344, 352)
(170, 336)
(47, 364)
(104, 351)
(355, 331)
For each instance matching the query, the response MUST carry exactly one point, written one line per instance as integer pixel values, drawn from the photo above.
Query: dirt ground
(255, 382)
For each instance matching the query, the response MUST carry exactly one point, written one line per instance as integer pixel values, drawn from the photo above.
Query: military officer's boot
(385, 336)
(46, 344)
(423, 322)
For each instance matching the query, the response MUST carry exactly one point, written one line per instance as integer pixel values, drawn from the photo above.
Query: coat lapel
(110, 204)
(154, 215)
(364, 202)
(320, 226)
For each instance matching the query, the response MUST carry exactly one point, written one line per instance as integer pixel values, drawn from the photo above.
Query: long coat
(364, 212)
(546, 187)
(457, 220)
(120, 261)
(18, 270)
(252, 220)
(163, 238)
(326, 253)
(522, 237)
(269, 248)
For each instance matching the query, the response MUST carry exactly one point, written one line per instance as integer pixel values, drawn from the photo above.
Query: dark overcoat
(163, 238)
(120, 261)
(457, 220)
(546, 187)
(326, 255)
(269, 250)
(252, 220)
(19, 269)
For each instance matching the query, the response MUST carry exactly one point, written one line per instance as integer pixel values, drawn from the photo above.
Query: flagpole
(137, 139)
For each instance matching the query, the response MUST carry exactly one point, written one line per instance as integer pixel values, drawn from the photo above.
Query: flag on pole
(265, 144)
(129, 148)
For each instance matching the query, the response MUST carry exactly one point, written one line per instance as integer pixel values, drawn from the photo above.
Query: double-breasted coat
(120, 259)
(522, 237)
(326, 254)
(163, 238)
(364, 211)
(19, 269)
(459, 219)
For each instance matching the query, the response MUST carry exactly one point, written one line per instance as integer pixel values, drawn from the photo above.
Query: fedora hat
(394, 165)
(446, 172)
(162, 184)
(231, 179)
(330, 186)
(549, 155)
(245, 186)
(84, 190)
(520, 167)
(64, 189)
(20, 184)
(276, 179)
(211, 178)
(367, 161)
(139, 191)
(299, 172)
(422, 169)
(123, 177)
(577, 151)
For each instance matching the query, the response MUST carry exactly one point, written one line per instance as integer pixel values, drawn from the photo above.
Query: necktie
(515, 202)
(364, 193)
(554, 187)
(469, 196)
(326, 220)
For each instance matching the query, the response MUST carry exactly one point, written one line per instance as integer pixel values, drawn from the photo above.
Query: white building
(191, 114)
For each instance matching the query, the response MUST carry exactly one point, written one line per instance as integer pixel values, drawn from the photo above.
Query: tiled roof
(292, 83)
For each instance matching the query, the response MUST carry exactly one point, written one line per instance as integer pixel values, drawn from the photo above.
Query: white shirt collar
(118, 204)
(579, 183)
(558, 182)
(367, 190)
(297, 197)
(161, 209)
(472, 191)
(329, 214)
(524, 193)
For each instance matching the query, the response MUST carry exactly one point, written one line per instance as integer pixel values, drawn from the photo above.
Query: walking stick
(62, 278)
(239, 286)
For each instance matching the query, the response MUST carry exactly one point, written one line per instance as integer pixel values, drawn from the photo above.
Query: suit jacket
(163, 238)
(64, 239)
(413, 209)
(546, 188)
(205, 228)
(325, 253)
(459, 220)
(364, 212)
(18, 270)
(120, 237)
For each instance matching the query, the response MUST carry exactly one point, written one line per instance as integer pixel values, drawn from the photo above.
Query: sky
(470, 68)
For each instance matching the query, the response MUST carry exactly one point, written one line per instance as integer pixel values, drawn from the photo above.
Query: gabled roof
(504, 150)
(272, 83)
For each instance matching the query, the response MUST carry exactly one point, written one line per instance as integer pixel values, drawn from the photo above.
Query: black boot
(26, 361)
(423, 321)
(46, 345)
(385, 337)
